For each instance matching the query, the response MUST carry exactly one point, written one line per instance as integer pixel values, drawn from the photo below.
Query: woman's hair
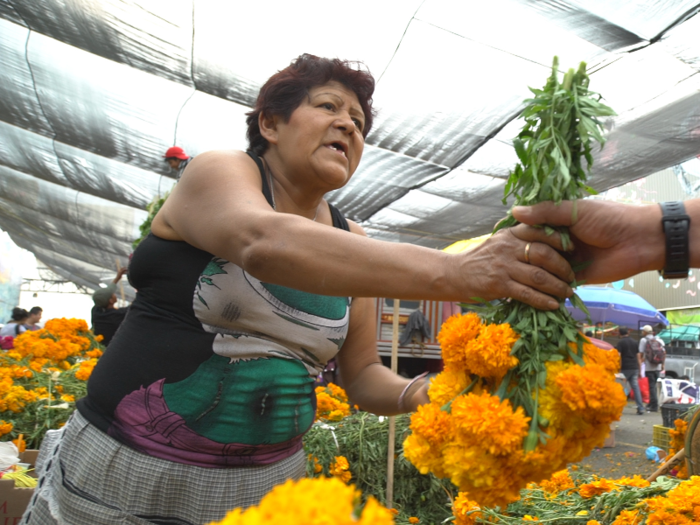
(285, 91)
(19, 313)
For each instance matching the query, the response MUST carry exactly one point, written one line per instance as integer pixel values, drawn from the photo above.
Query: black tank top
(212, 367)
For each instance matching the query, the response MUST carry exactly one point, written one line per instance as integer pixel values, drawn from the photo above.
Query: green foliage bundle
(153, 208)
(362, 439)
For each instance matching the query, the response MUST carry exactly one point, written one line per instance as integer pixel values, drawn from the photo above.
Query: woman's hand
(618, 240)
(522, 263)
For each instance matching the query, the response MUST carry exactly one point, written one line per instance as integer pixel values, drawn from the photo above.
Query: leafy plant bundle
(361, 438)
(554, 148)
(153, 208)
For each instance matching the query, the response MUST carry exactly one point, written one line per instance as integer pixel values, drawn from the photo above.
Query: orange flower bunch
(338, 468)
(474, 431)
(331, 403)
(46, 367)
(680, 506)
(677, 443)
(58, 344)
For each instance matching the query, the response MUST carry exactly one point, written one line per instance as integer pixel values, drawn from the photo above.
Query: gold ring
(527, 252)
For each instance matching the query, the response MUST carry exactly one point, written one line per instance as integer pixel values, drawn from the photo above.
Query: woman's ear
(268, 127)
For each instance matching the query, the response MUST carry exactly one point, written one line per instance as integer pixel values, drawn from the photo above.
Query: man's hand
(618, 240)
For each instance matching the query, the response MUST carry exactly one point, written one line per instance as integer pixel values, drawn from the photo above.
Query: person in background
(177, 159)
(106, 319)
(34, 318)
(652, 371)
(630, 365)
(17, 324)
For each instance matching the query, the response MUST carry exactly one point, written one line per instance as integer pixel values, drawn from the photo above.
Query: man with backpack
(653, 354)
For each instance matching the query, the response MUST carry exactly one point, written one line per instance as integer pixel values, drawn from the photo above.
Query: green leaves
(554, 148)
(562, 122)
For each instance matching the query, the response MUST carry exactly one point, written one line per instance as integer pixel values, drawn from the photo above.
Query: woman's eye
(358, 124)
(327, 105)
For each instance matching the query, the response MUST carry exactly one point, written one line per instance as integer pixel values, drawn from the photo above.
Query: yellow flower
(413, 519)
(489, 354)
(340, 468)
(596, 488)
(447, 385)
(490, 422)
(5, 427)
(431, 428)
(634, 481)
(559, 482)
(465, 511)
(320, 501)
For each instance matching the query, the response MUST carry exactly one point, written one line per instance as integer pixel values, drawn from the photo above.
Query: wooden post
(392, 419)
(677, 458)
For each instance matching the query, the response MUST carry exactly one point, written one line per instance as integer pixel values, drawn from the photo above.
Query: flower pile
(486, 407)
(589, 500)
(42, 376)
(312, 501)
(331, 403)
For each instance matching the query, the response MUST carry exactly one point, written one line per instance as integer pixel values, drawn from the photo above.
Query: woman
(249, 283)
(17, 324)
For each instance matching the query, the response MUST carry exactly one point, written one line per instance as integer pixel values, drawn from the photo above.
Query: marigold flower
(559, 482)
(596, 488)
(489, 354)
(5, 427)
(465, 511)
(455, 334)
(634, 481)
(447, 385)
(413, 519)
(340, 468)
(486, 419)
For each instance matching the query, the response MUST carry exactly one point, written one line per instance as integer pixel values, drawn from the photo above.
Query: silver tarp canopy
(92, 92)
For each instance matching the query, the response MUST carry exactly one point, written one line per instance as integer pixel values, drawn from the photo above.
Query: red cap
(176, 152)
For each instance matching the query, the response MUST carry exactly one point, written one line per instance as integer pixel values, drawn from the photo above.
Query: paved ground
(633, 435)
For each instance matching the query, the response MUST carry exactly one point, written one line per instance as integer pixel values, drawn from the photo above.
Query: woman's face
(323, 136)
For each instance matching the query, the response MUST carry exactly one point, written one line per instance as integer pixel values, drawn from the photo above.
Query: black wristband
(676, 225)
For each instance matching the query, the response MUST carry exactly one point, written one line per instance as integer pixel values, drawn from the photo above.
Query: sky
(17, 264)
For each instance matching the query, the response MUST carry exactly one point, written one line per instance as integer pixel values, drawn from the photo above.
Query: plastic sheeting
(93, 92)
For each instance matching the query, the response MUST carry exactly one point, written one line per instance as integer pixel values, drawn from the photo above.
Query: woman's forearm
(363, 391)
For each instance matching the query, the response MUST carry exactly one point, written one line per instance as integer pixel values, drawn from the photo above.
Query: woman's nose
(345, 123)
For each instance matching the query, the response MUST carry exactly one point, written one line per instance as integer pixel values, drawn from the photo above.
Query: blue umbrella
(619, 307)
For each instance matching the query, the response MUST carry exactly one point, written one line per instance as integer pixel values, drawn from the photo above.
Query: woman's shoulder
(215, 164)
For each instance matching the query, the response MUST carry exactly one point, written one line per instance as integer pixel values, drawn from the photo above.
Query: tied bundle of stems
(561, 123)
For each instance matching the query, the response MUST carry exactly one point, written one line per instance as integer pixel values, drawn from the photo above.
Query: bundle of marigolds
(523, 392)
(318, 501)
(42, 376)
(589, 500)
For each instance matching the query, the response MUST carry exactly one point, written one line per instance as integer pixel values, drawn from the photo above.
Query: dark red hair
(285, 91)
